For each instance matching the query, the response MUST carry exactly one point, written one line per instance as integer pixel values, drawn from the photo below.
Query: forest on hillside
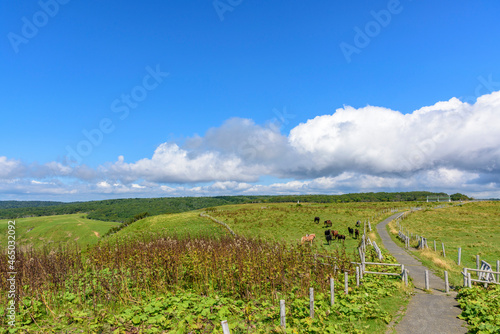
(121, 210)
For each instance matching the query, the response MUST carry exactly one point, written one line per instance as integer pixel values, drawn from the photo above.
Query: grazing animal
(328, 223)
(356, 233)
(358, 223)
(341, 237)
(316, 220)
(308, 237)
(329, 238)
(335, 234)
(327, 232)
(351, 231)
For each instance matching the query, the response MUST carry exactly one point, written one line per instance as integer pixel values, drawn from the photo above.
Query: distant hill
(121, 210)
(26, 204)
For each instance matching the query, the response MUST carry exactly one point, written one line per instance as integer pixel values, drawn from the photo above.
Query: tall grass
(110, 273)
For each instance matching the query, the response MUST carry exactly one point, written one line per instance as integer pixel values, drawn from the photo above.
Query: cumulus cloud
(449, 146)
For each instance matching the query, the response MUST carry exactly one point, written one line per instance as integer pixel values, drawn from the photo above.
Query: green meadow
(52, 231)
(474, 227)
(183, 273)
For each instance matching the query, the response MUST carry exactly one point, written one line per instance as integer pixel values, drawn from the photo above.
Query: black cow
(351, 231)
(316, 220)
(327, 232)
(329, 238)
(341, 237)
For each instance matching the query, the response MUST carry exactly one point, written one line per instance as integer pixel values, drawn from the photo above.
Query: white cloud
(449, 146)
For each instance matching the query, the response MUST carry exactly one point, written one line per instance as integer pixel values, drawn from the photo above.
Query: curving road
(435, 312)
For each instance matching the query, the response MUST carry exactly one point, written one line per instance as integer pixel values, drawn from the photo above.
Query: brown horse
(308, 237)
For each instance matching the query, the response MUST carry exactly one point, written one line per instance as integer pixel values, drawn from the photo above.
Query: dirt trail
(434, 312)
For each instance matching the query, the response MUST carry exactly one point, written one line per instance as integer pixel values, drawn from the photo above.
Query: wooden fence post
(459, 255)
(498, 270)
(406, 277)
(477, 265)
(403, 272)
(282, 314)
(346, 283)
(465, 278)
(444, 252)
(357, 275)
(446, 285)
(311, 302)
(435, 245)
(225, 327)
(427, 280)
(469, 281)
(332, 291)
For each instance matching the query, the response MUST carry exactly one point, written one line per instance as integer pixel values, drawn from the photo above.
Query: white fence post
(427, 280)
(311, 302)
(446, 285)
(459, 255)
(282, 314)
(225, 327)
(357, 276)
(498, 270)
(332, 291)
(346, 283)
(444, 252)
(477, 265)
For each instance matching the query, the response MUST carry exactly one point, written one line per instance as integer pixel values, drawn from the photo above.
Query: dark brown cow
(329, 238)
(356, 233)
(316, 220)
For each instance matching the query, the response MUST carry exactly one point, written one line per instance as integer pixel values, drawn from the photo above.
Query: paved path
(434, 312)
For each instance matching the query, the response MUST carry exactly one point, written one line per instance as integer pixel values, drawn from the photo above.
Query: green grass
(475, 227)
(54, 230)
(290, 222)
(381, 296)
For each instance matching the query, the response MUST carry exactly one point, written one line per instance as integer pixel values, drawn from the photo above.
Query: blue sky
(171, 98)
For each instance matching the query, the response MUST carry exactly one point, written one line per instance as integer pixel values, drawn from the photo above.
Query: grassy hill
(54, 230)
(121, 210)
(184, 273)
(474, 227)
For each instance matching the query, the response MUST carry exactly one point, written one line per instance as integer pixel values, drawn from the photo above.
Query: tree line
(123, 210)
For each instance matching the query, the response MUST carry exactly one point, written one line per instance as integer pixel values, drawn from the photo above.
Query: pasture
(149, 274)
(52, 231)
(289, 222)
(475, 227)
